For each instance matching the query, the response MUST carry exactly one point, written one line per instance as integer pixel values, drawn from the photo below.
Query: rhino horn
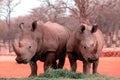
(96, 47)
(16, 48)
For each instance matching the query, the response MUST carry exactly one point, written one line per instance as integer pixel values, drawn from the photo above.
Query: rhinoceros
(45, 42)
(85, 44)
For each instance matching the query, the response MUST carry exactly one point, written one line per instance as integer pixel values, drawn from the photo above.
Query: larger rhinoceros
(45, 42)
(85, 44)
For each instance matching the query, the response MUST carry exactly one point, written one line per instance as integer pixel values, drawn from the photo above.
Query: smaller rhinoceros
(85, 44)
(45, 42)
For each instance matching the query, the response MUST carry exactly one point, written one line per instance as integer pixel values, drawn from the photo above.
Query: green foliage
(60, 74)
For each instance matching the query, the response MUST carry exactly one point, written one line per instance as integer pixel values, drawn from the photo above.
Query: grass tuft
(60, 74)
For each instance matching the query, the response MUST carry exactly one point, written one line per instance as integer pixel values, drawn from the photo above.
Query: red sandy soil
(109, 66)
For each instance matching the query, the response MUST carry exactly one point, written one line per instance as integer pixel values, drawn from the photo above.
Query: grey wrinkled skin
(85, 44)
(45, 42)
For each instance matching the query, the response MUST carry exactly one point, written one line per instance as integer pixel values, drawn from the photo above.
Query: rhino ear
(21, 26)
(82, 28)
(34, 26)
(94, 28)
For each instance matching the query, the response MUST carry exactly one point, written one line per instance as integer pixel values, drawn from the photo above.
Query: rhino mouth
(20, 61)
(92, 60)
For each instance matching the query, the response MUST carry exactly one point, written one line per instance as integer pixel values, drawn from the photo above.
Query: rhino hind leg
(72, 61)
(61, 61)
(54, 65)
(50, 58)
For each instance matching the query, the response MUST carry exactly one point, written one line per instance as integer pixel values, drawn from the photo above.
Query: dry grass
(111, 52)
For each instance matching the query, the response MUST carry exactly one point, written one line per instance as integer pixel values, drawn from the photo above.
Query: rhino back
(54, 36)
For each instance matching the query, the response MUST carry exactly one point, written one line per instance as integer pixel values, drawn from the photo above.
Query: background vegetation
(69, 13)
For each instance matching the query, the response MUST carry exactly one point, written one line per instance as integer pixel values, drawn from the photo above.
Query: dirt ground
(109, 66)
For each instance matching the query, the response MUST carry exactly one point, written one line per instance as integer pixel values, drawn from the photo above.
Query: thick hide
(45, 42)
(85, 44)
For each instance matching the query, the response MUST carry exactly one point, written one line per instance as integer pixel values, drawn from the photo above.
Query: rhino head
(87, 42)
(26, 47)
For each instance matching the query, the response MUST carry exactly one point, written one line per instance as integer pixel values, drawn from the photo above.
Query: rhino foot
(31, 75)
(96, 73)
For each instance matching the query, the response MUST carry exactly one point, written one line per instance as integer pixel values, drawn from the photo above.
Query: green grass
(65, 75)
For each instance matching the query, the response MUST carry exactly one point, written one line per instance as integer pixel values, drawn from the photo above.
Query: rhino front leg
(50, 58)
(86, 67)
(33, 67)
(95, 66)
(73, 62)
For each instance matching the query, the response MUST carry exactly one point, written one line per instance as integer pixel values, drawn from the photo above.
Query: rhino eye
(84, 47)
(29, 46)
